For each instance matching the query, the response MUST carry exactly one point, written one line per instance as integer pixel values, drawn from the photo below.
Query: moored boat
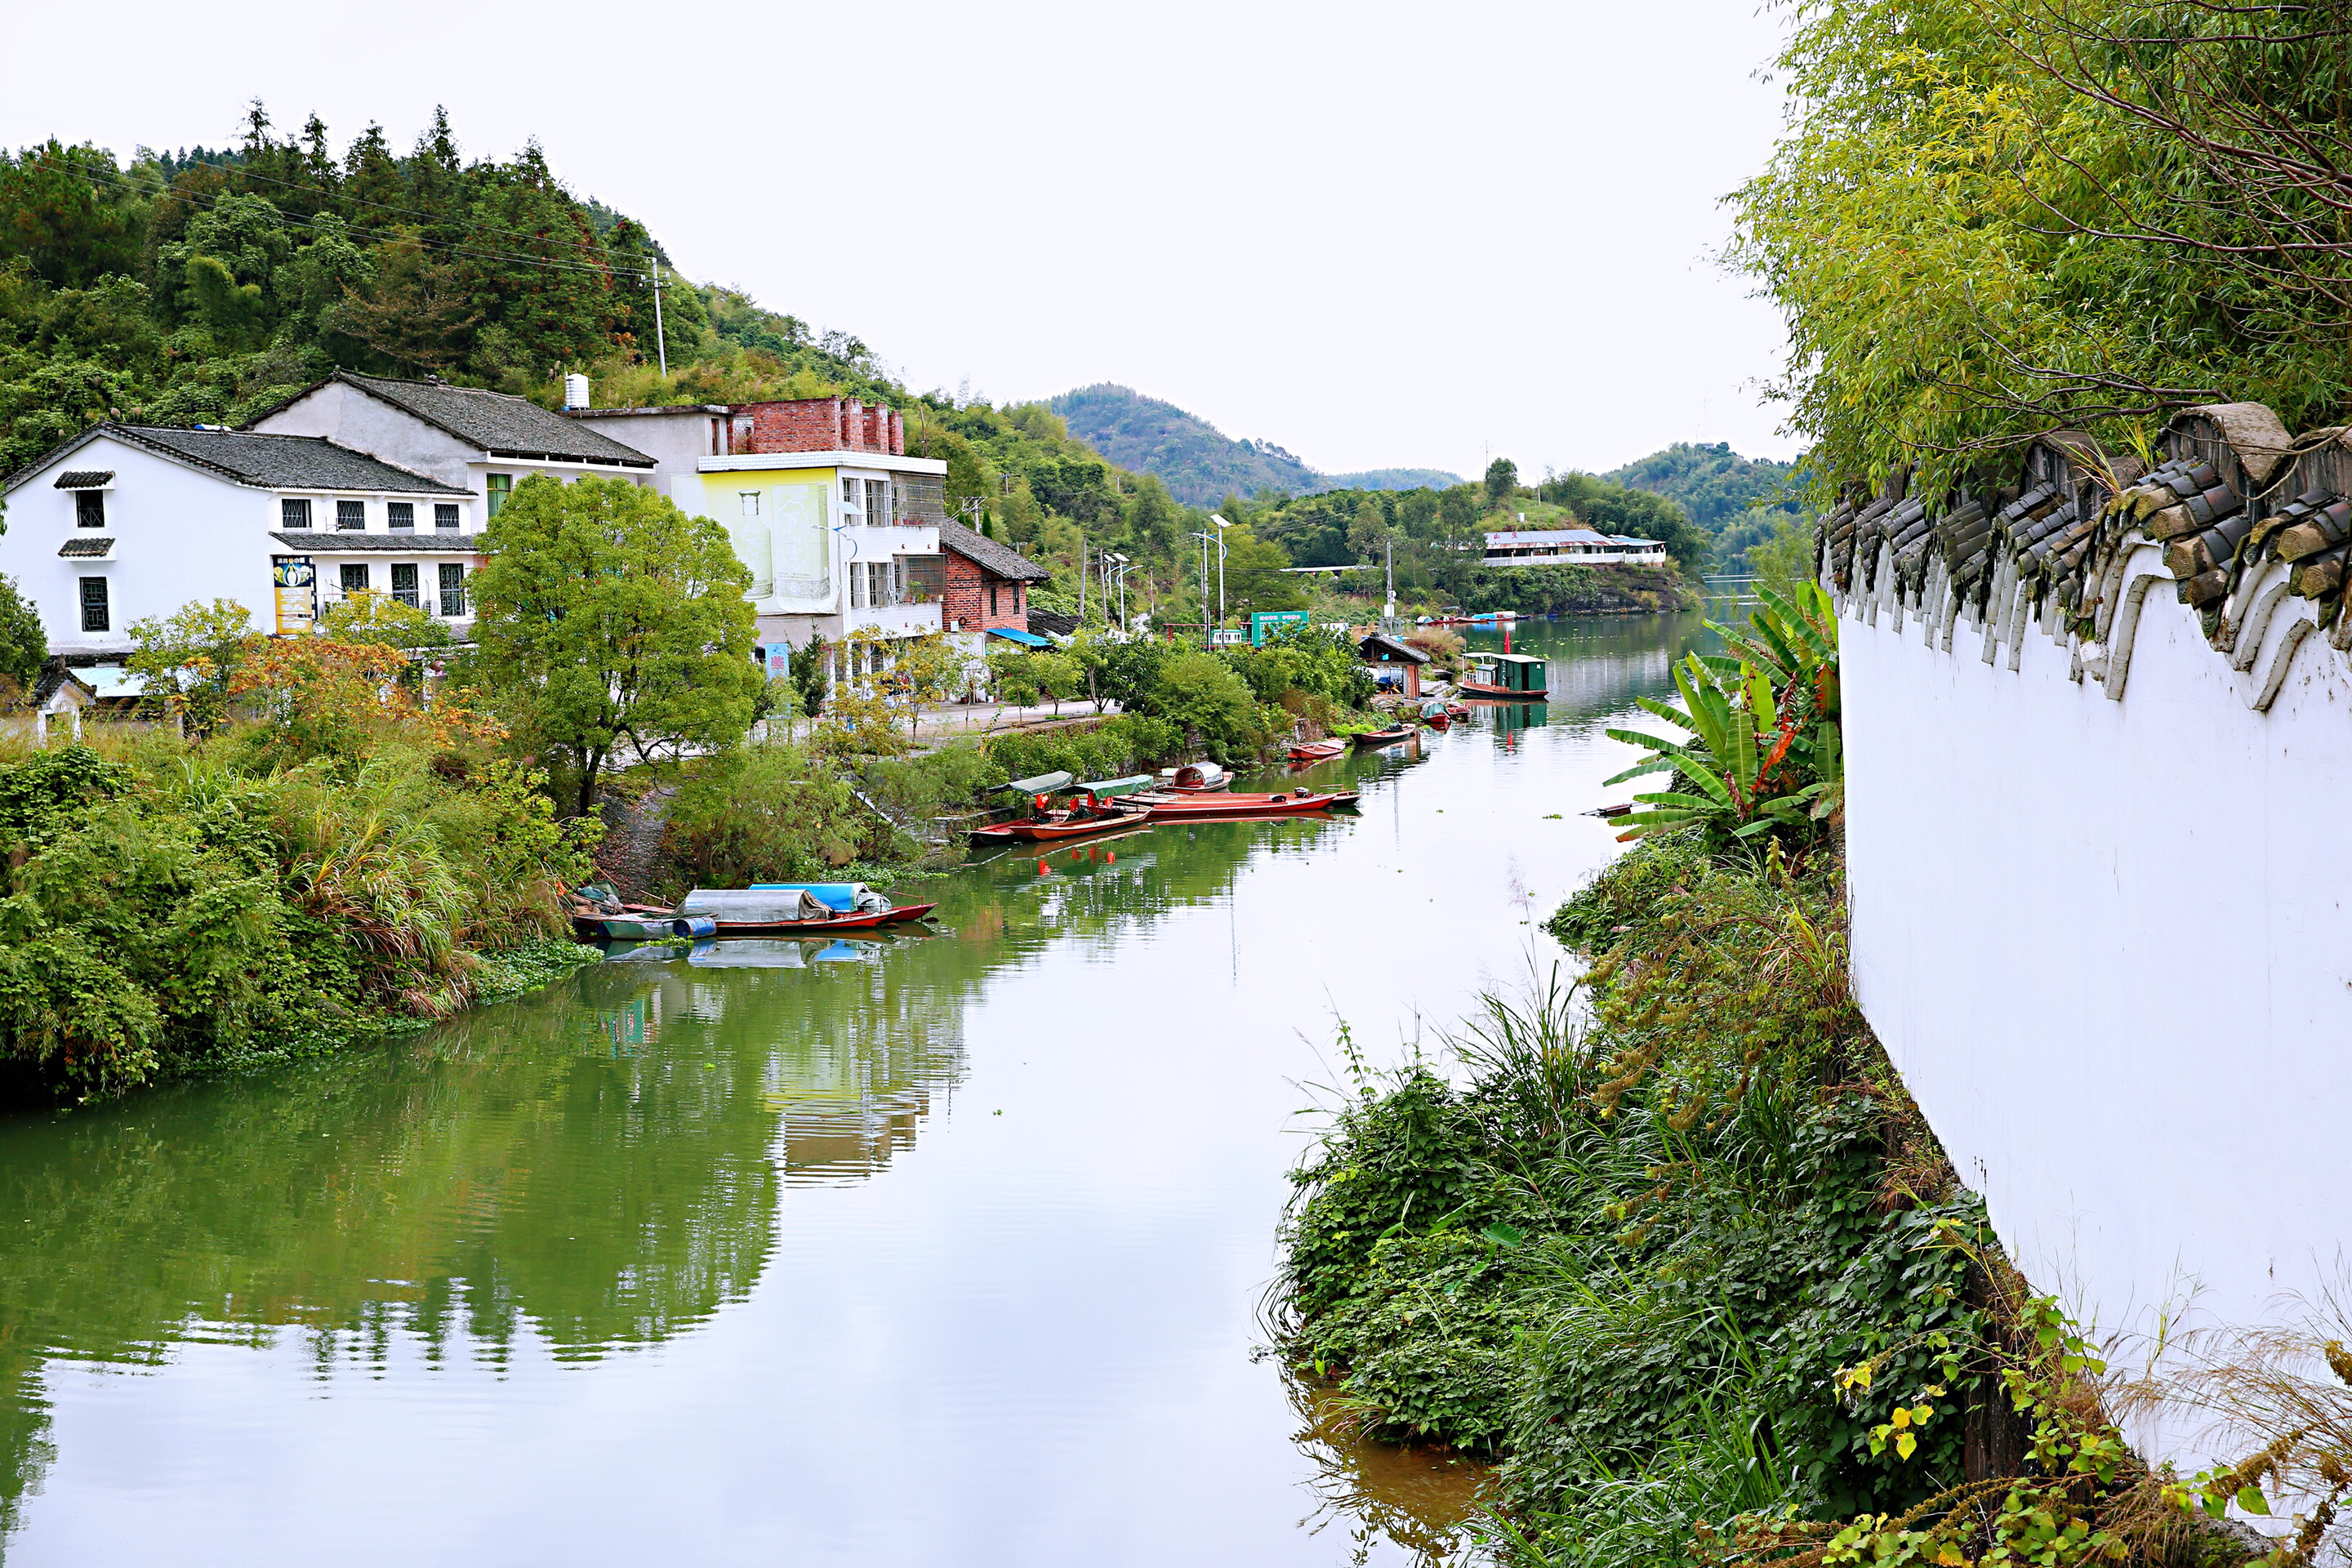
(1388, 737)
(1507, 677)
(746, 911)
(1214, 807)
(1196, 778)
(1093, 807)
(1317, 750)
(597, 911)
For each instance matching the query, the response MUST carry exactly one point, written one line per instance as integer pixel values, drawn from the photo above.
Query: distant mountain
(1201, 465)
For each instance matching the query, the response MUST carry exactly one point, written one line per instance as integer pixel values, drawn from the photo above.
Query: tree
(192, 657)
(23, 644)
(1502, 483)
(374, 617)
(606, 614)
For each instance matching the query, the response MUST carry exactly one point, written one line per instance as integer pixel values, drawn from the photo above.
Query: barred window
(445, 514)
(400, 514)
(453, 588)
(294, 514)
(404, 582)
(351, 514)
(95, 610)
(355, 575)
(90, 509)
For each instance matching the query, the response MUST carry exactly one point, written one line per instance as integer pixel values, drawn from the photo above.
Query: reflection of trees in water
(1422, 1500)
(1597, 664)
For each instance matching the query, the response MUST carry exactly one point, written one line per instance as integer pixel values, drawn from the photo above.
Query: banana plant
(1765, 751)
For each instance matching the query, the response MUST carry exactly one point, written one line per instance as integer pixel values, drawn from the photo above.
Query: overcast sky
(1379, 235)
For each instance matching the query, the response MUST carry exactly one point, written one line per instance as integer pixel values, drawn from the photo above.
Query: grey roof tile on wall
(997, 558)
(498, 421)
(407, 542)
(86, 547)
(84, 478)
(279, 462)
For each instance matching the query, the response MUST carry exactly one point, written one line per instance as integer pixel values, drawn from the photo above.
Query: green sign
(1263, 622)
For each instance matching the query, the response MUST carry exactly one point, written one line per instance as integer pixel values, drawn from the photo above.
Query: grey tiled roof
(500, 422)
(279, 462)
(86, 547)
(407, 542)
(84, 478)
(997, 558)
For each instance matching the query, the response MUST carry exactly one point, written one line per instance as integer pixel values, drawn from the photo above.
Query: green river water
(948, 1249)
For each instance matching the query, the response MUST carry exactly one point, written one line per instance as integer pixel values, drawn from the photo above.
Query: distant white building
(1570, 547)
(127, 521)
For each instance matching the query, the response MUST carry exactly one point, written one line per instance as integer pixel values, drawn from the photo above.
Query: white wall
(179, 535)
(350, 418)
(2106, 943)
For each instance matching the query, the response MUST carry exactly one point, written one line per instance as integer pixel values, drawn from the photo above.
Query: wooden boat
(1388, 737)
(1317, 750)
(1092, 809)
(595, 912)
(785, 912)
(1216, 808)
(1512, 677)
(841, 898)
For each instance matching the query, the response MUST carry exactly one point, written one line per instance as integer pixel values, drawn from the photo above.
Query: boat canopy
(1508, 658)
(843, 898)
(1197, 774)
(1107, 788)
(754, 906)
(1044, 784)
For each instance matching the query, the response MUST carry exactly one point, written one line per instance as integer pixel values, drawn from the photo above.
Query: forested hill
(1201, 464)
(1736, 499)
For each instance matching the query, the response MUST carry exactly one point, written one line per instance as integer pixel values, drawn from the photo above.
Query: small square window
(90, 509)
(96, 611)
(400, 514)
(453, 588)
(445, 514)
(351, 514)
(404, 582)
(294, 515)
(751, 499)
(354, 577)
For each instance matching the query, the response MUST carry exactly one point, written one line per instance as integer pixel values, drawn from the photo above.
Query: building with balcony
(839, 527)
(1570, 547)
(127, 521)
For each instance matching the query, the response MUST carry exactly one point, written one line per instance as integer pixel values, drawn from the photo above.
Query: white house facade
(126, 521)
(1570, 547)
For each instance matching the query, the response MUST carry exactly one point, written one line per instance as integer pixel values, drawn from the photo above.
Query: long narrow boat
(784, 911)
(1317, 750)
(1388, 737)
(1213, 807)
(654, 926)
(1093, 808)
(841, 898)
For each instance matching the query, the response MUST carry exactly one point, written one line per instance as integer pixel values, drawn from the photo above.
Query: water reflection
(608, 1170)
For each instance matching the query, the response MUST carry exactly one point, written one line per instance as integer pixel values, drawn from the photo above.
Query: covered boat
(1507, 677)
(748, 910)
(1099, 806)
(1196, 778)
(841, 898)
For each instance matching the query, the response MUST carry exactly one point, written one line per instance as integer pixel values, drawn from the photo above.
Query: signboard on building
(1264, 622)
(297, 584)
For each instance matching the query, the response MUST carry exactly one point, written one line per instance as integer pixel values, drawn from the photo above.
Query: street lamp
(1121, 565)
(1222, 526)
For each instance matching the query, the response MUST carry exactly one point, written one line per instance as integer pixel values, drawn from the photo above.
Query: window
(991, 598)
(751, 499)
(404, 582)
(90, 509)
(294, 514)
(849, 492)
(877, 502)
(400, 514)
(897, 579)
(351, 514)
(877, 585)
(94, 607)
(354, 577)
(498, 487)
(453, 588)
(856, 585)
(445, 514)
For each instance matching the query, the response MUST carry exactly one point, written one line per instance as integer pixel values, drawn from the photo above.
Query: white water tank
(576, 391)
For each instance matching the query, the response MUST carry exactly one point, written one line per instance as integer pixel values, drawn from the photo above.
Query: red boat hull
(1385, 737)
(898, 916)
(1216, 808)
(1046, 832)
(1317, 751)
(1480, 691)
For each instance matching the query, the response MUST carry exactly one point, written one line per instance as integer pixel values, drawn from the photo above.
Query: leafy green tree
(1502, 483)
(372, 617)
(1203, 694)
(609, 619)
(23, 644)
(191, 659)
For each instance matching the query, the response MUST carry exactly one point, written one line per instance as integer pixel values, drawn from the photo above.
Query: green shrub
(765, 813)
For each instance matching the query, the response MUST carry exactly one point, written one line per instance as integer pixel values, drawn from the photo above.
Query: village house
(127, 521)
(987, 590)
(839, 526)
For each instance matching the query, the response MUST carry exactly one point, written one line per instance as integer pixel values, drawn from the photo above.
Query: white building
(1570, 547)
(127, 521)
(839, 526)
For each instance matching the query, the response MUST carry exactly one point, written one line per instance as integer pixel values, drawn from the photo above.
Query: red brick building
(987, 582)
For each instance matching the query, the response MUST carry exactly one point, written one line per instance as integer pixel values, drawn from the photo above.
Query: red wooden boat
(1317, 750)
(1053, 826)
(900, 915)
(1214, 807)
(1388, 737)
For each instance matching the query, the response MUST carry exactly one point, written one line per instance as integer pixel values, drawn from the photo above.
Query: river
(949, 1249)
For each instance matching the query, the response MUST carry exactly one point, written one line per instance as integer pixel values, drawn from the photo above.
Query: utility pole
(1082, 584)
(661, 343)
(1388, 554)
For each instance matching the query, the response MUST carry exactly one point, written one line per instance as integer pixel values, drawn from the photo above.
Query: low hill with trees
(1200, 463)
